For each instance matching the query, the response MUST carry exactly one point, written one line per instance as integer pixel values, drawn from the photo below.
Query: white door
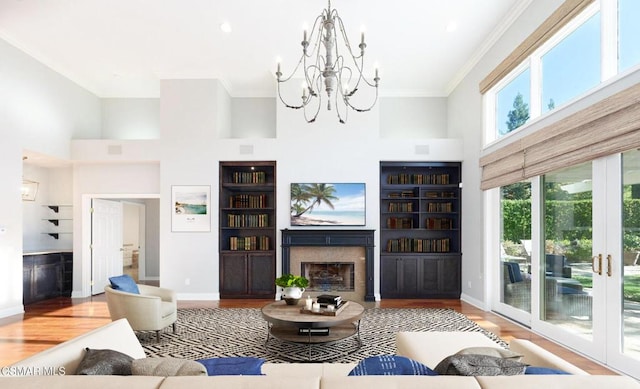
(106, 243)
(594, 306)
(621, 263)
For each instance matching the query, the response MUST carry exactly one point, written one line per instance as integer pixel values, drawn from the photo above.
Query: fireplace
(329, 276)
(334, 261)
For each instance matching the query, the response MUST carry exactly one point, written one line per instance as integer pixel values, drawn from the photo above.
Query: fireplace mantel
(331, 238)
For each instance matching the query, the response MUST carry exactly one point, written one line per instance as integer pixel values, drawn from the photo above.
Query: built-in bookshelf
(420, 229)
(247, 229)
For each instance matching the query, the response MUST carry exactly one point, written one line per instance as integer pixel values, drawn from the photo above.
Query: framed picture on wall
(328, 204)
(191, 208)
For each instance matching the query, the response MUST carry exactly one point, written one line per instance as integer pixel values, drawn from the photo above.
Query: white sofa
(40, 370)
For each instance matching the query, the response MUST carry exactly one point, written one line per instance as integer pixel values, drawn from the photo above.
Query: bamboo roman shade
(610, 126)
(567, 11)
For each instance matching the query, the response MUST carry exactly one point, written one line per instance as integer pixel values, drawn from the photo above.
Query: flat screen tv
(327, 204)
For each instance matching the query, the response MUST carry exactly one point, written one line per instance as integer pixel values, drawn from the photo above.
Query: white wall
(130, 118)
(415, 117)
(152, 239)
(465, 121)
(39, 111)
(253, 118)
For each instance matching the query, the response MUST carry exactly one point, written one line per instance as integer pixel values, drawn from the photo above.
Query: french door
(590, 225)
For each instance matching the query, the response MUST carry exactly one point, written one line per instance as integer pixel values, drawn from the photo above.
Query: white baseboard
(198, 296)
(16, 310)
(475, 302)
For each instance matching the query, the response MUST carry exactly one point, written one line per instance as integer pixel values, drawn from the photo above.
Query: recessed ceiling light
(225, 27)
(452, 26)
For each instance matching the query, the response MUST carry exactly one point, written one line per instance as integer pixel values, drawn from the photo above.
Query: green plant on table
(289, 280)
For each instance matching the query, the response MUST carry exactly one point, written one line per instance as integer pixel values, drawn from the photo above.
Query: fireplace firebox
(329, 276)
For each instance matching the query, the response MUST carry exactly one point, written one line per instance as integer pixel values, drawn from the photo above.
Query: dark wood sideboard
(47, 274)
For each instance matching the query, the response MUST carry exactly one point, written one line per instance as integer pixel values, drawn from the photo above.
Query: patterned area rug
(233, 332)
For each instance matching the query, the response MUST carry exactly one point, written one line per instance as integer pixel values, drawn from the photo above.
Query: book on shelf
(249, 177)
(247, 243)
(242, 220)
(436, 195)
(401, 207)
(400, 222)
(248, 201)
(435, 223)
(418, 179)
(439, 207)
(415, 245)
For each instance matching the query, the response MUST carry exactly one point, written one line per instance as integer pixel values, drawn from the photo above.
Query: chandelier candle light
(329, 69)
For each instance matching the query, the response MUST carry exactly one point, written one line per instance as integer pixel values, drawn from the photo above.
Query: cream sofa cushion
(558, 382)
(535, 355)
(430, 348)
(400, 382)
(81, 382)
(241, 382)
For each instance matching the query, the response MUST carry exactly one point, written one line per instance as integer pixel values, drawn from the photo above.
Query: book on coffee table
(328, 299)
(324, 311)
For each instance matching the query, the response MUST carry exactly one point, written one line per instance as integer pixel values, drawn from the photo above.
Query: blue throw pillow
(390, 365)
(124, 283)
(543, 370)
(233, 366)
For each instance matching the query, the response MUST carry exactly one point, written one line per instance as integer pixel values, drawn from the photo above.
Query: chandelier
(325, 67)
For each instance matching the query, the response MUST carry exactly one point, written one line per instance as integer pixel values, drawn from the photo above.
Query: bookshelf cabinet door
(233, 274)
(262, 270)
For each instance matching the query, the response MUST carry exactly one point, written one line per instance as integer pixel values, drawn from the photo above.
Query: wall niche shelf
(55, 214)
(56, 235)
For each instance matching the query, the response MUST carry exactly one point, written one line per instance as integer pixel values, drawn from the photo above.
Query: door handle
(593, 264)
(609, 271)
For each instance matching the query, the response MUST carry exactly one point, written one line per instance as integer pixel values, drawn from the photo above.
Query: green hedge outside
(567, 222)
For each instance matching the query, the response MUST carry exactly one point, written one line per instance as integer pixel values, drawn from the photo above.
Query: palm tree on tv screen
(316, 193)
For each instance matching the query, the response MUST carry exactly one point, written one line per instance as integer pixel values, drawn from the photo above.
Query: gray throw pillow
(479, 365)
(492, 352)
(167, 367)
(104, 362)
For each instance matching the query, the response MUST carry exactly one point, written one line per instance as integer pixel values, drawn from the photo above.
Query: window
(572, 66)
(628, 33)
(512, 104)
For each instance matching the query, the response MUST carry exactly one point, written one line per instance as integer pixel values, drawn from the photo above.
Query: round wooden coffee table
(286, 323)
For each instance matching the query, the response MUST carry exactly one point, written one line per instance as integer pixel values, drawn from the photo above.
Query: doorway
(139, 238)
(133, 240)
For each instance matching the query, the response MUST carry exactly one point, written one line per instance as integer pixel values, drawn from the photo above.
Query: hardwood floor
(50, 322)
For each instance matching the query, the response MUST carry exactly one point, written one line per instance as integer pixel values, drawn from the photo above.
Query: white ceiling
(122, 48)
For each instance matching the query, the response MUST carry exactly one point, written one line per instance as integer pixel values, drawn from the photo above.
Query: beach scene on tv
(188, 203)
(325, 204)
